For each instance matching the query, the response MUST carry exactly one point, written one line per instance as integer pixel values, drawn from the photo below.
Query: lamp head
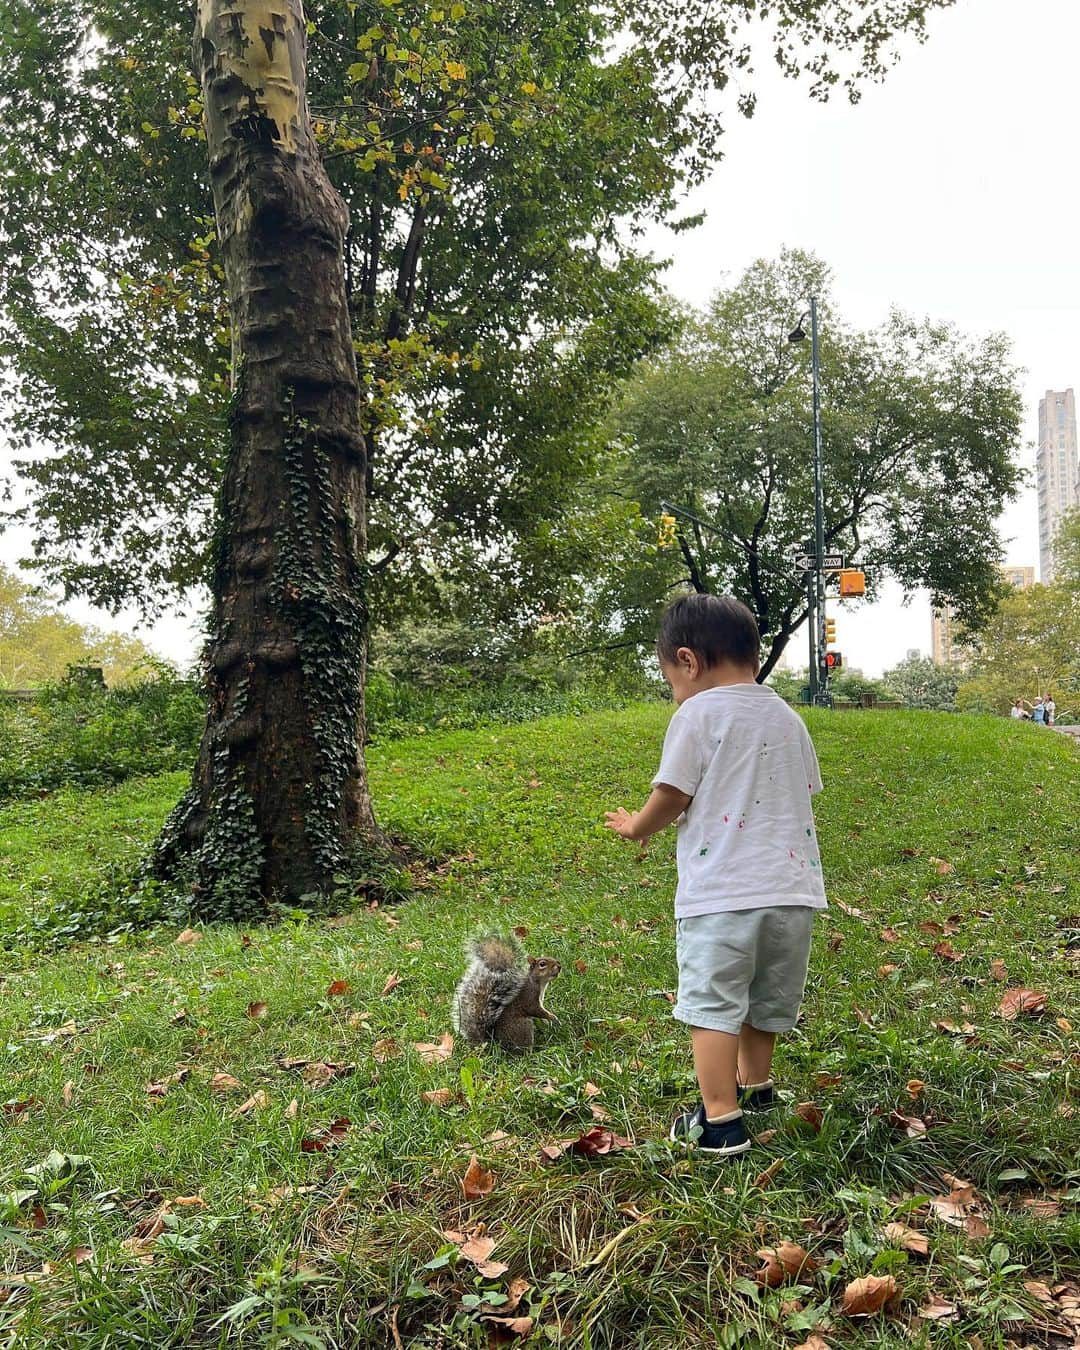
(797, 334)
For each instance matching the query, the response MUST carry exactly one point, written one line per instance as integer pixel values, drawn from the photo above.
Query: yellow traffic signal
(852, 582)
(830, 631)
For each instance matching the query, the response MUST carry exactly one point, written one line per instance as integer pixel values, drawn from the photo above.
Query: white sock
(755, 1087)
(723, 1120)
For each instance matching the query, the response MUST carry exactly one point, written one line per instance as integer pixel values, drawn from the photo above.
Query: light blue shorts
(743, 965)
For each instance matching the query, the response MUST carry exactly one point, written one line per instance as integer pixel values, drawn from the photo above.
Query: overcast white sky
(950, 190)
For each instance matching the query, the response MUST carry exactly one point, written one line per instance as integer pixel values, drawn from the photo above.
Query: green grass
(516, 812)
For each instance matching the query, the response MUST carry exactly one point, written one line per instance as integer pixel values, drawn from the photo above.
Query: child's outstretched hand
(622, 821)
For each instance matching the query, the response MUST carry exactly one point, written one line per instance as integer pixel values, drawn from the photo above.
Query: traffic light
(833, 661)
(852, 582)
(830, 631)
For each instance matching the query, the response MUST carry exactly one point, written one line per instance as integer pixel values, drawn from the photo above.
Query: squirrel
(500, 992)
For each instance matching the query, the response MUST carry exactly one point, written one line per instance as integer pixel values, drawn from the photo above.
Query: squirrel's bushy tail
(492, 980)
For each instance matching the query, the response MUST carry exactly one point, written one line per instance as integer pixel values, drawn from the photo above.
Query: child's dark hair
(716, 627)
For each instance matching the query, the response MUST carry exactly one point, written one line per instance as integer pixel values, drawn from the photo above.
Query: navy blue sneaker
(718, 1138)
(757, 1096)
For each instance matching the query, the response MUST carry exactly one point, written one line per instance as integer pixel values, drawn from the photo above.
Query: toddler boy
(737, 772)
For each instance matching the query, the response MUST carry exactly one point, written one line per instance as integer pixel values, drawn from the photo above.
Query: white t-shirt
(1014, 711)
(747, 840)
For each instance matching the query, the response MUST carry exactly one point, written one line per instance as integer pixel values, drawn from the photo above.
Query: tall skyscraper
(946, 648)
(1056, 469)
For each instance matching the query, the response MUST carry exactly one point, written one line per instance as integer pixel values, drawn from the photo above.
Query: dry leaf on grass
(438, 1097)
(292, 1110)
(477, 1181)
(433, 1053)
(811, 1115)
(814, 1342)
(1030, 1002)
(907, 1238)
(913, 1126)
(869, 1295)
(256, 1011)
(890, 935)
(941, 867)
(187, 937)
(337, 988)
(952, 1028)
(886, 969)
(915, 1087)
(385, 1049)
(764, 1179)
(938, 1309)
(18, 1108)
(258, 1101)
(322, 1141)
(67, 1092)
(392, 983)
(947, 952)
(788, 1261)
(516, 1326)
(997, 969)
(224, 1082)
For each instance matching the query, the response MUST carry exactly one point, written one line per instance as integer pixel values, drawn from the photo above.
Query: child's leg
(716, 1055)
(755, 1054)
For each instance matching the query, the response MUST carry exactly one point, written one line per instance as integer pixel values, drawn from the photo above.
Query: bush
(85, 735)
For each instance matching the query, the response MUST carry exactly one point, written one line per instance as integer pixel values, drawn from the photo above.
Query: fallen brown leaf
(392, 983)
(937, 1309)
(942, 867)
(947, 952)
(187, 937)
(433, 1053)
(815, 1342)
(1016, 1001)
(224, 1082)
(385, 1049)
(890, 935)
(332, 1137)
(811, 1114)
(438, 1097)
(337, 988)
(764, 1179)
(477, 1181)
(788, 1261)
(18, 1108)
(258, 1101)
(907, 1238)
(915, 1087)
(913, 1126)
(997, 969)
(869, 1295)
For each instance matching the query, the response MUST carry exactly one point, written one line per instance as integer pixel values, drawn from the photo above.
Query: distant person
(1038, 713)
(1017, 710)
(1050, 710)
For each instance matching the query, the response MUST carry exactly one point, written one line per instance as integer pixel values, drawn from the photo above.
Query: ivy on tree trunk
(279, 793)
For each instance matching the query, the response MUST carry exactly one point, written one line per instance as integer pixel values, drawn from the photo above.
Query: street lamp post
(815, 584)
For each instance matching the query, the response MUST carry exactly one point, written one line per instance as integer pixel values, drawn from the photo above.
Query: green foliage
(923, 684)
(902, 789)
(1031, 646)
(919, 424)
(38, 643)
(498, 161)
(79, 734)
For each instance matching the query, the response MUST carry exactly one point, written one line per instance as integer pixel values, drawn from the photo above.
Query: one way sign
(832, 562)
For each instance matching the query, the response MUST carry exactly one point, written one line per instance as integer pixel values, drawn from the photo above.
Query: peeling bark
(279, 794)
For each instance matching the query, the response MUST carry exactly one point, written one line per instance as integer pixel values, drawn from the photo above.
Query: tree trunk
(279, 793)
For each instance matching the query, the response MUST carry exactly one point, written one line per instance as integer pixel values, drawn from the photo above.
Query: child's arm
(665, 805)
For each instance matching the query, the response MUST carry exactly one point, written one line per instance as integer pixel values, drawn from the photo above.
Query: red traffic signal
(833, 661)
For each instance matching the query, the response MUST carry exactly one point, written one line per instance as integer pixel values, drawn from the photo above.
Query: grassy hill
(172, 1206)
